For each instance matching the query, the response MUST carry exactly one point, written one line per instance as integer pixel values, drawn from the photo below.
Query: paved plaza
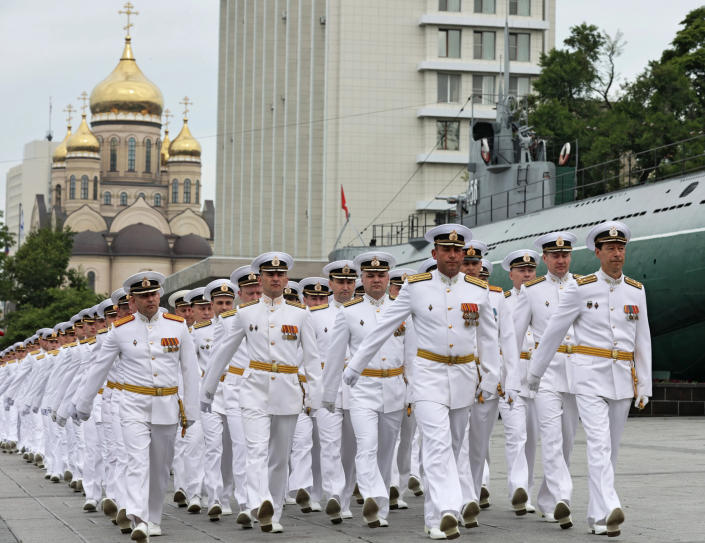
(660, 480)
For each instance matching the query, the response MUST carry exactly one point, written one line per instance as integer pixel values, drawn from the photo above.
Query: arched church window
(72, 188)
(107, 198)
(57, 195)
(113, 154)
(197, 200)
(90, 276)
(175, 191)
(157, 200)
(123, 198)
(141, 195)
(131, 155)
(187, 191)
(95, 187)
(84, 187)
(148, 155)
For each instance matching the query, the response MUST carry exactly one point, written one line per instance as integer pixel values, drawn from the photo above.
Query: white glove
(350, 376)
(10, 401)
(82, 415)
(640, 401)
(61, 421)
(53, 415)
(72, 412)
(205, 407)
(26, 410)
(533, 382)
(35, 410)
(329, 406)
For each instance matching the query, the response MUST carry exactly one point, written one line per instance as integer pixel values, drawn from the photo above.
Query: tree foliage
(577, 100)
(37, 282)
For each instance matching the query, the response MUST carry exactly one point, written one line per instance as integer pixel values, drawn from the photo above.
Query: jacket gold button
(272, 343)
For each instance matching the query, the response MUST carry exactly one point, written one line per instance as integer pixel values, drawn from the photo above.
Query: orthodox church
(132, 196)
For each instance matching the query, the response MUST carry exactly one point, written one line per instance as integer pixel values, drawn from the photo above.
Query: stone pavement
(660, 480)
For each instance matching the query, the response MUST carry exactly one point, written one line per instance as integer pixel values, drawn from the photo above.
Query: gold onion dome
(60, 152)
(185, 144)
(126, 90)
(83, 141)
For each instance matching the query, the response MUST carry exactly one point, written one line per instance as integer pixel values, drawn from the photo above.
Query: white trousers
(116, 484)
(218, 479)
(150, 452)
(269, 439)
(514, 422)
(603, 421)
(75, 448)
(93, 467)
(442, 430)
(301, 460)
(188, 463)
(405, 466)
(557, 415)
(376, 434)
(239, 457)
(338, 449)
(483, 417)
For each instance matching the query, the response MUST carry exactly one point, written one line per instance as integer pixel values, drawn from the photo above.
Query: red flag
(343, 204)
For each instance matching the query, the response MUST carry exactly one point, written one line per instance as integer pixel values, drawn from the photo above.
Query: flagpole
(340, 235)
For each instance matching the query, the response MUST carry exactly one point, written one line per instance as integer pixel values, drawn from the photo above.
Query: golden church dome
(185, 145)
(126, 90)
(60, 152)
(83, 141)
(165, 147)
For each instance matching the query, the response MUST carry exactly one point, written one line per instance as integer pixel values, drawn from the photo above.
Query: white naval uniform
(270, 401)
(442, 392)
(150, 357)
(556, 409)
(337, 437)
(376, 403)
(598, 307)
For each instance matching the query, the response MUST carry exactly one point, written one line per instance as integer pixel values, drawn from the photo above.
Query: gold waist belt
(112, 384)
(428, 355)
(596, 351)
(236, 370)
(273, 367)
(150, 391)
(383, 373)
(100, 391)
(525, 355)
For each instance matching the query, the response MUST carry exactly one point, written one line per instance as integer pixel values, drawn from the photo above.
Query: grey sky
(60, 49)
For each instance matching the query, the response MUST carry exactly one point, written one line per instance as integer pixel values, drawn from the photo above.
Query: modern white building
(372, 96)
(23, 182)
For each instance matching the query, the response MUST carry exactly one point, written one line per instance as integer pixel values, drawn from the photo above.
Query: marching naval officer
(377, 400)
(609, 364)
(153, 347)
(555, 405)
(270, 395)
(453, 321)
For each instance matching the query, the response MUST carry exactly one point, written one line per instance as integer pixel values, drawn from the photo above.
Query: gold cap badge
(471, 252)
(317, 287)
(453, 236)
(224, 288)
(526, 257)
(375, 262)
(287, 290)
(346, 269)
(252, 277)
(145, 282)
(613, 232)
(275, 261)
(560, 242)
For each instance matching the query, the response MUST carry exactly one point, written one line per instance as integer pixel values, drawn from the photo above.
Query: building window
(157, 200)
(95, 187)
(148, 155)
(187, 191)
(483, 45)
(90, 277)
(198, 192)
(57, 195)
(448, 5)
(519, 47)
(484, 6)
(141, 195)
(113, 154)
(448, 135)
(449, 43)
(448, 88)
(72, 188)
(519, 7)
(123, 198)
(107, 199)
(174, 192)
(483, 89)
(84, 187)
(519, 87)
(131, 155)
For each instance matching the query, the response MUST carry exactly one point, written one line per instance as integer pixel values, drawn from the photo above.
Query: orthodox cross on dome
(167, 115)
(83, 97)
(186, 102)
(128, 11)
(69, 110)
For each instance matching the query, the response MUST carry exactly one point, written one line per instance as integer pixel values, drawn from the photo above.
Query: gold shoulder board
(229, 313)
(247, 304)
(295, 304)
(507, 293)
(586, 280)
(476, 281)
(535, 281)
(354, 301)
(91, 341)
(496, 289)
(173, 317)
(102, 331)
(202, 324)
(123, 320)
(39, 357)
(419, 277)
(35, 352)
(317, 307)
(576, 276)
(632, 282)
